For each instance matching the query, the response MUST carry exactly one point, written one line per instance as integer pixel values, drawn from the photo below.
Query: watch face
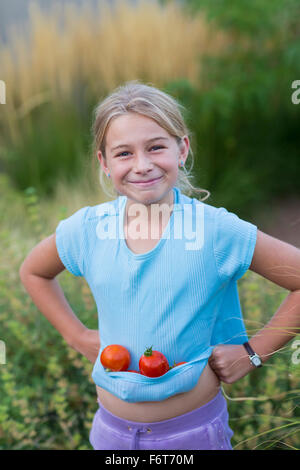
(256, 361)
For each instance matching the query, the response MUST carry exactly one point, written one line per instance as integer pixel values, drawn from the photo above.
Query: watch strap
(248, 348)
(252, 353)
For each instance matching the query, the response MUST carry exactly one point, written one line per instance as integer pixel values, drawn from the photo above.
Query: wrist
(74, 337)
(257, 347)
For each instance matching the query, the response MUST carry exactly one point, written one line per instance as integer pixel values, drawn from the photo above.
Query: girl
(163, 269)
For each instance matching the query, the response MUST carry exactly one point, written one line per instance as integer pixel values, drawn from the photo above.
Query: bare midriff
(205, 390)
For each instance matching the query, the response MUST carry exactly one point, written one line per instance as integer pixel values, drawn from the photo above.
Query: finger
(211, 362)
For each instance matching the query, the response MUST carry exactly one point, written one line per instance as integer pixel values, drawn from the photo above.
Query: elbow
(23, 272)
(25, 275)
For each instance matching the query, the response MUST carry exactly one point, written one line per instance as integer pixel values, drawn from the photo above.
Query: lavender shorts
(205, 428)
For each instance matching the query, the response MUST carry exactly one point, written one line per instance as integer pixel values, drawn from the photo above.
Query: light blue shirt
(181, 297)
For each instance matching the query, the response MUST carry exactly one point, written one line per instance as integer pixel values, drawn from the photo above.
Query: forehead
(130, 127)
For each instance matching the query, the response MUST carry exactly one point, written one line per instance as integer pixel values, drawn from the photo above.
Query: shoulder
(230, 229)
(102, 220)
(218, 219)
(74, 221)
(197, 213)
(81, 221)
(207, 211)
(98, 211)
(184, 201)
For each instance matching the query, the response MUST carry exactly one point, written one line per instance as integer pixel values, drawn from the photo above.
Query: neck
(149, 212)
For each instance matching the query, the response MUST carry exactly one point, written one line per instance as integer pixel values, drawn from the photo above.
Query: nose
(142, 163)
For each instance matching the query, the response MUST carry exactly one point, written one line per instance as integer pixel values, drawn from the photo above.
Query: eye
(155, 147)
(122, 154)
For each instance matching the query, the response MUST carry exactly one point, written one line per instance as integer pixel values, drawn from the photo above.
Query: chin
(147, 195)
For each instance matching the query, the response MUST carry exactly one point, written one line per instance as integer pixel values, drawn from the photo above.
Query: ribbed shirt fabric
(181, 297)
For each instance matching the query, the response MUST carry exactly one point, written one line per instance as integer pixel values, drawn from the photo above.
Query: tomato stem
(148, 352)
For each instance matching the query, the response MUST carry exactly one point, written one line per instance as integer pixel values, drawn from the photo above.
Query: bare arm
(37, 274)
(280, 263)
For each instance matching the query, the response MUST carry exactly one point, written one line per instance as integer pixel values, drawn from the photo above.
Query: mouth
(146, 183)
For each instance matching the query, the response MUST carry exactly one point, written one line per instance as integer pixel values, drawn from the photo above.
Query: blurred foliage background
(232, 69)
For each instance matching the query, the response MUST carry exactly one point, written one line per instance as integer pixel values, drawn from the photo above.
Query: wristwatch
(254, 358)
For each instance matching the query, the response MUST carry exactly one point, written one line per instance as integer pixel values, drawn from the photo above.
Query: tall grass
(232, 73)
(114, 43)
(75, 54)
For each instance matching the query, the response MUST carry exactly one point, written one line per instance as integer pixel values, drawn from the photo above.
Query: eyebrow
(147, 141)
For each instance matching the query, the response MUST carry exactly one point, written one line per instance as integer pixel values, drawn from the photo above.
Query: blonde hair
(149, 101)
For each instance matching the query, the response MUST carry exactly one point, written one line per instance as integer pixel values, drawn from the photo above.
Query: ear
(184, 148)
(99, 156)
(102, 160)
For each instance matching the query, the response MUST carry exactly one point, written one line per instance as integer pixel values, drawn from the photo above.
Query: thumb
(211, 358)
(215, 355)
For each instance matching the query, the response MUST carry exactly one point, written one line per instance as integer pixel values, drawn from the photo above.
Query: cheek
(120, 171)
(172, 168)
(168, 163)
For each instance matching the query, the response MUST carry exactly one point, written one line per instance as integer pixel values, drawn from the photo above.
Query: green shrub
(241, 114)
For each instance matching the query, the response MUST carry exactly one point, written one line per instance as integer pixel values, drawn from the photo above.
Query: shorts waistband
(200, 416)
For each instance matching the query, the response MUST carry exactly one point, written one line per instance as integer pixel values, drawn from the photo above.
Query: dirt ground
(281, 220)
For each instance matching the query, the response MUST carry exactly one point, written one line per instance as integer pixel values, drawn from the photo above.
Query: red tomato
(115, 358)
(177, 364)
(136, 371)
(153, 363)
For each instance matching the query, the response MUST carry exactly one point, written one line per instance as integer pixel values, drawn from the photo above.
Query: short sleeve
(234, 242)
(70, 241)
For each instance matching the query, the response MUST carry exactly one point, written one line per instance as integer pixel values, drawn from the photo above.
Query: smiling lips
(146, 182)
